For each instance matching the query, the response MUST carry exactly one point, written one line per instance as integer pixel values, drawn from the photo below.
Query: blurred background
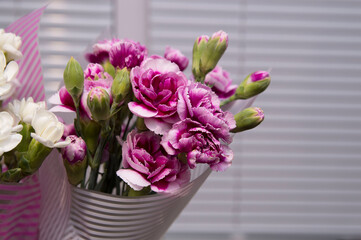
(298, 175)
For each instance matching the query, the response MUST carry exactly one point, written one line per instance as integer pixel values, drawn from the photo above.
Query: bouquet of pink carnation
(141, 124)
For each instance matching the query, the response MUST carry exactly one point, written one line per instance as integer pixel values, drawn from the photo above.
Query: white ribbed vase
(95, 215)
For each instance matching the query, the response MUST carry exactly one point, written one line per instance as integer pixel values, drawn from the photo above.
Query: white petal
(10, 142)
(2, 61)
(53, 132)
(42, 119)
(6, 123)
(17, 128)
(134, 179)
(43, 141)
(5, 89)
(62, 144)
(11, 70)
(12, 52)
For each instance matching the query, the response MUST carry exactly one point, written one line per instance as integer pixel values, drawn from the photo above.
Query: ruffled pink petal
(61, 108)
(141, 110)
(157, 125)
(134, 179)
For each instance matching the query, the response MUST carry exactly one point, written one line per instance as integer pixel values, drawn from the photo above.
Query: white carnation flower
(25, 109)
(9, 138)
(10, 44)
(7, 77)
(48, 129)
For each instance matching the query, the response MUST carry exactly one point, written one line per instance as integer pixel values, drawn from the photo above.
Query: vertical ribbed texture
(20, 202)
(30, 71)
(96, 215)
(55, 201)
(20, 209)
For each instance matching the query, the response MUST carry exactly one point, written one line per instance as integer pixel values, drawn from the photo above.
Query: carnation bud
(74, 157)
(74, 79)
(109, 68)
(199, 47)
(253, 84)
(25, 141)
(12, 175)
(90, 131)
(34, 157)
(99, 103)
(92, 71)
(121, 86)
(206, 54)
(69, 129)
(247, 119)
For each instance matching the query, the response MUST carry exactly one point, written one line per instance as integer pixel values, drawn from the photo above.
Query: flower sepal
(35, 156)
(253, 84)
(247, 119)
(12, 175)
(135, 193)
(99, 104)
(74, 79)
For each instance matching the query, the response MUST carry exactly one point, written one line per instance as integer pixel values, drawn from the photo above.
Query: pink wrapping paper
(20, 202)
(20, 209)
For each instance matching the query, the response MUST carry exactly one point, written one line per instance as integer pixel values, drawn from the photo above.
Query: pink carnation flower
(221, 83)
(120, 52)
(199, 103)
(156, 84)
(200, 145)
(177, 57)
(127, 53)
(93, 71)
(144, 164)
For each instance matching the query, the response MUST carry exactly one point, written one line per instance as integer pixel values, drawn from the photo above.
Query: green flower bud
(253, 84)
(74, 79)
(99, 104)
(12, 175)
(35, 156)
(121, 86)
(109, 68)
(74, 158)
(207, 53)
(25, 141)
(91, 131)
(199, 47)
(247, 119)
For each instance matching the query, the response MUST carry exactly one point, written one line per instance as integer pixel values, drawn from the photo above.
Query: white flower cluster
(48, 129)
(9, 53)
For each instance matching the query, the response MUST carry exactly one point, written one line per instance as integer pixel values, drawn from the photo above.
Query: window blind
(66, 29)
(297, 173)
(300, 171)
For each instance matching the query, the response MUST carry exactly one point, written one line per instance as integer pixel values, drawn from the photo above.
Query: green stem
(229, 100)
(95, 162)
(127, 126)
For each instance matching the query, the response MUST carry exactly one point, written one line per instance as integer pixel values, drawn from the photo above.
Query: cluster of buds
(207, 52)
